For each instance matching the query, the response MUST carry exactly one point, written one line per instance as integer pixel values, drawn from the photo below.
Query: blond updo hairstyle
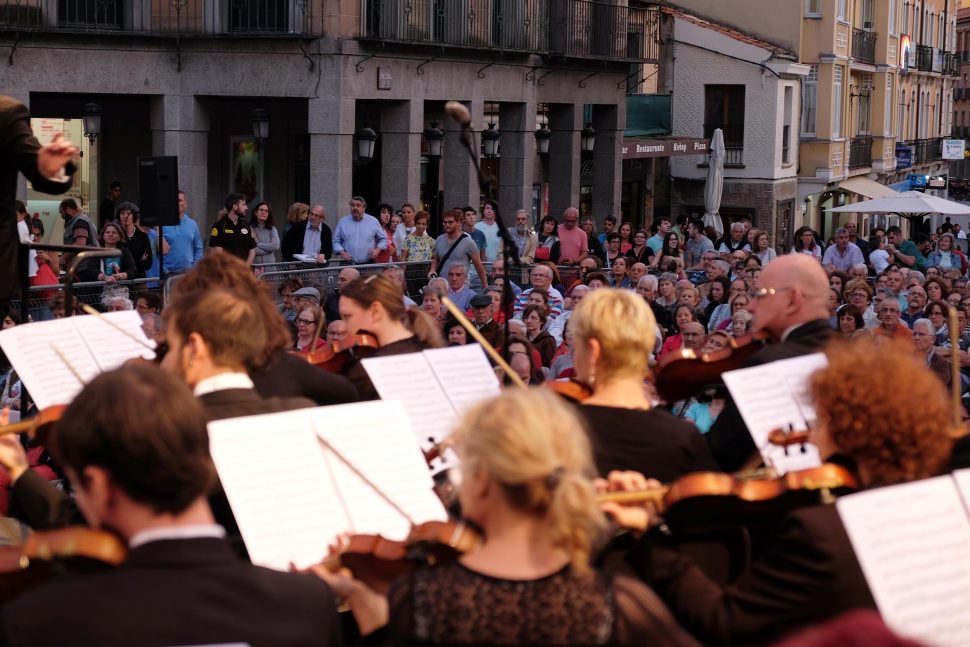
(534, 446)
(623, 324)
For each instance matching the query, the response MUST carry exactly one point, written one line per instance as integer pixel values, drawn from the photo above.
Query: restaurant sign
(646, 147)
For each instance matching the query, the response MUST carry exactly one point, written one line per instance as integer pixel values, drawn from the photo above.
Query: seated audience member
(535, 318)
(145, 478)
(808, 571)
(526, 481)
(309, 323)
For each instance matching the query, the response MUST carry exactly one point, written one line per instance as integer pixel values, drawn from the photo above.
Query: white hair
(930, 328)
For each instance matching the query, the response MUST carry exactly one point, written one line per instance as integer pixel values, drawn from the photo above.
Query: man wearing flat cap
(483, 311)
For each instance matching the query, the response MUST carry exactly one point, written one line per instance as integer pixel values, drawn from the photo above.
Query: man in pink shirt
(572, 239)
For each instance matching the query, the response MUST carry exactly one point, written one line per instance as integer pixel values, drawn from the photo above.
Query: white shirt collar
(222, 382)
(208, 530)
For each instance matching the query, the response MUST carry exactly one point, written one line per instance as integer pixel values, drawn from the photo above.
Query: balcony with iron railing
(924, 58)
(175, 17)
(951, 64)
(733, 142)
(860, 151)
(567, 28)
(927, 150)
(864, 46)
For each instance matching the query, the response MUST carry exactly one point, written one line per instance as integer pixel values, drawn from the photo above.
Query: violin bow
(369, 483)
(473, 331)
(91, 311)
(60, 354)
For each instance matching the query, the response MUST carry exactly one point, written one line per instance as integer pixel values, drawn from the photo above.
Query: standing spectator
(641, 252)
(843, 254)
(807, 243)
(657, 240)
(115, 268)
(311, 237)
(359, 237)
(468, 218)
(697, 244)
(489, 228)
(525, 239)
(183, 240)
(455, 247)
(593, 246)
(572, 239)
(854, 237)
(626, 237)
(107, 209)
(609, 225)
(139, 243)
(298, 212)
(385, 215)
(266, 234)
(231, 233)
(547, 242)
(405, 229)
(79, 230)
(418, 245)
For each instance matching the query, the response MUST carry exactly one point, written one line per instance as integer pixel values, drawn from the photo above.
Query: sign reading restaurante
(647, 147)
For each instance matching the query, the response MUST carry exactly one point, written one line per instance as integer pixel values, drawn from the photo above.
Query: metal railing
(860, 151)
(927, 150)
(864, 46)
(188, 17)
(951, 64)
(924, 58)
(573, 28)
(733, 142)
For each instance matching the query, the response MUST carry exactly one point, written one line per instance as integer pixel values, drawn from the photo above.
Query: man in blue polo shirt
(184, 242)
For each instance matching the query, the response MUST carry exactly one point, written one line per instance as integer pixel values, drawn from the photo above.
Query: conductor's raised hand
(53, 157)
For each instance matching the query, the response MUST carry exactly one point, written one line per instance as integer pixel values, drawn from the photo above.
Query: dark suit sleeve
(293, 241)
(20, 144)
(326, 241)
(729, 439)
(40, 505)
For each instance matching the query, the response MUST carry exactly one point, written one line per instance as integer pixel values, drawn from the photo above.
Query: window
(864, 98)
(813, 8)
(906, 29)
(809, 102)
(901, 116)
(868, 14)
(837, 102)
(892, 17)
(786, 128)
(724, 109)
(840, 9)
(888, 109)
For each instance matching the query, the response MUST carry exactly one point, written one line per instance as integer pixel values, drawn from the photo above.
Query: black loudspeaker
(158, 191)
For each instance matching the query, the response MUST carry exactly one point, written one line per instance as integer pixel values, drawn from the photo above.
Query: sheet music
(278, 485)
(377, 439)
(32, 350)
(913, 543)
(766, 398)
(110, 347)
(962, 478)
(410, 380)
(797, 372)
(464, 373)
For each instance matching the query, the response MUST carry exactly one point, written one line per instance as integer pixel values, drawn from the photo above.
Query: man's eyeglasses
(761, 293)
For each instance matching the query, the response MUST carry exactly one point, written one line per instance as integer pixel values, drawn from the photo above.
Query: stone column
(401, 125)
(460, 185)
(607, 159)
(565, 122)
(518, 147)
(330, 125)
(180, 127)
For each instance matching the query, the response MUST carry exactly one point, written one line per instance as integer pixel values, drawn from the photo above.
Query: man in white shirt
(403, 229)
(489, 227)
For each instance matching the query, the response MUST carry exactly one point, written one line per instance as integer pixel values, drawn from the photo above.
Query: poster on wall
(245, 167)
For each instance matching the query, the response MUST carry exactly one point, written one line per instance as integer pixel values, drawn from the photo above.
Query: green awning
(648, 115)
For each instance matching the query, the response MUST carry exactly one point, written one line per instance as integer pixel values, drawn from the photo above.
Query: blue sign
(904, 156)
(917, 180)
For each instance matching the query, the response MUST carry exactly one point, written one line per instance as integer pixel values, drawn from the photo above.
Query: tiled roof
(731, 32)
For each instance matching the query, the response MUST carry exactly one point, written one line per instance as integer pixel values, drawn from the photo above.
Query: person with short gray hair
(843, 254)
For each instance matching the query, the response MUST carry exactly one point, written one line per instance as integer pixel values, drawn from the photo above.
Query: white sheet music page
(913, 543)
(797, 372)
(766, 401)
(376, 438)
(464, 373)
(33, 352)
(409, 379)
(279, 486)
(110, 347)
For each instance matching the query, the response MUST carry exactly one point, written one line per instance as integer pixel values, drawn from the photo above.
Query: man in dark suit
(145, 477)
(47, 167)
(791, 305)
(311, 237)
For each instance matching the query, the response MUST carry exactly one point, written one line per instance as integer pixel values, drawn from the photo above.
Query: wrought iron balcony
(927, 150)
(951, 64)
(221, 17)
(924, 58)
(733, 142)
(569, 28)
(860, 151)
(864, 46)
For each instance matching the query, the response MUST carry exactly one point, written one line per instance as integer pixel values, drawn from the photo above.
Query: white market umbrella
(907, 203)
(715, 183)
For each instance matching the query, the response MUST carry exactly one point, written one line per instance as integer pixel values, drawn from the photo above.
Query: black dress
(454, 605)
(138, 245)
(356, 373)
(654, 442)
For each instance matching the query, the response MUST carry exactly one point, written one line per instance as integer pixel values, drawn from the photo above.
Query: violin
(335, 357)
(572, 390)
(682, 373)
(715, 498)
(44, 553)
(378, 561)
